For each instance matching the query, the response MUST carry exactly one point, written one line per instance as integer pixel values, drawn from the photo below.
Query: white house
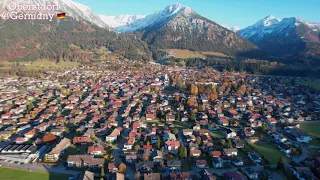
(230, 134)
(129, 144)
(230, 151)
(113, 136)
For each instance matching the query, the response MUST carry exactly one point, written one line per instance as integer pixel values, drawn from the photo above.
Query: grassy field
(19, 174)
(182, 125)
(216, 134)
(185, 54)
(313, 150)
(47, 64)
(270, 152)
(311, 128)
(41, 64)
(313, 84)
(151, 121)
(185, 165)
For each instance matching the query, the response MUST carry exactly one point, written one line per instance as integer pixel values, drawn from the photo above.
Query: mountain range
(286, 37)
(120, 21)
(179, 27)
(148, 36)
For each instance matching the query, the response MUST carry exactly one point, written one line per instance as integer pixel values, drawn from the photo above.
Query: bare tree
(145, 156)
(137, 175)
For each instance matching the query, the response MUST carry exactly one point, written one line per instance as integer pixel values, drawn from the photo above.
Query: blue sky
(226, 12)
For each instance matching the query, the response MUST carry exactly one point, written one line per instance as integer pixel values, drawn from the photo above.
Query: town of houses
(159, 123)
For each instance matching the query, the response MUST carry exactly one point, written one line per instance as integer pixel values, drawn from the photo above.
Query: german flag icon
(61, 15)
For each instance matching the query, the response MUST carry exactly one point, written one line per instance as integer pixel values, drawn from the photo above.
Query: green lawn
(182, 125)
(313, 150)
(42, 64)
(270, 152)
(185, 165)
(283, 176)
(315, 142)
(311, 128)
(243, 155)
(216, 134)
(313, 84)
(151, 121)
(19, 174)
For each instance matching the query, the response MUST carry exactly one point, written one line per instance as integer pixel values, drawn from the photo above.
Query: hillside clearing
(185, 54)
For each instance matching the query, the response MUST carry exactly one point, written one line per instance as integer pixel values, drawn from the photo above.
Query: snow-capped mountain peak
(293, 33)
(140, 22)
(261, 28)
(267, 21)
(121, 20)
(235, 28)
(314, 26)
(176, 9)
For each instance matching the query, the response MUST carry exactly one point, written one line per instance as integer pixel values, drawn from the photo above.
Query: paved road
(117, 151)
(195, 170)
(304, 155)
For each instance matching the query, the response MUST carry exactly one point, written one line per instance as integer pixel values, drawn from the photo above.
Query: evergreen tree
(102, 172)
(178, 118)
(229, 143)
(158, 144)
(280, 164)
(192, 116)
(182, 151)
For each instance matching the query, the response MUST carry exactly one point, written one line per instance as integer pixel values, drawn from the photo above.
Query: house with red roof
(223, 121)
(128, 145)
(172, 145)
(147, 148)
(201, 163)
(195, 153)
(272, 121)
(31, 133)
(81, 140)
(135, 134)
(96, 150)
(135, 125)
(6, 116)
(216, 153)
(21, 140)
(150, 117)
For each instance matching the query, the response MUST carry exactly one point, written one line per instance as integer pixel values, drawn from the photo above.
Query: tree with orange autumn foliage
(213, 96)
(191, 102)
(49, 137)
(201, 108)
(177, 98)
(241, 90)
(194, 89)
